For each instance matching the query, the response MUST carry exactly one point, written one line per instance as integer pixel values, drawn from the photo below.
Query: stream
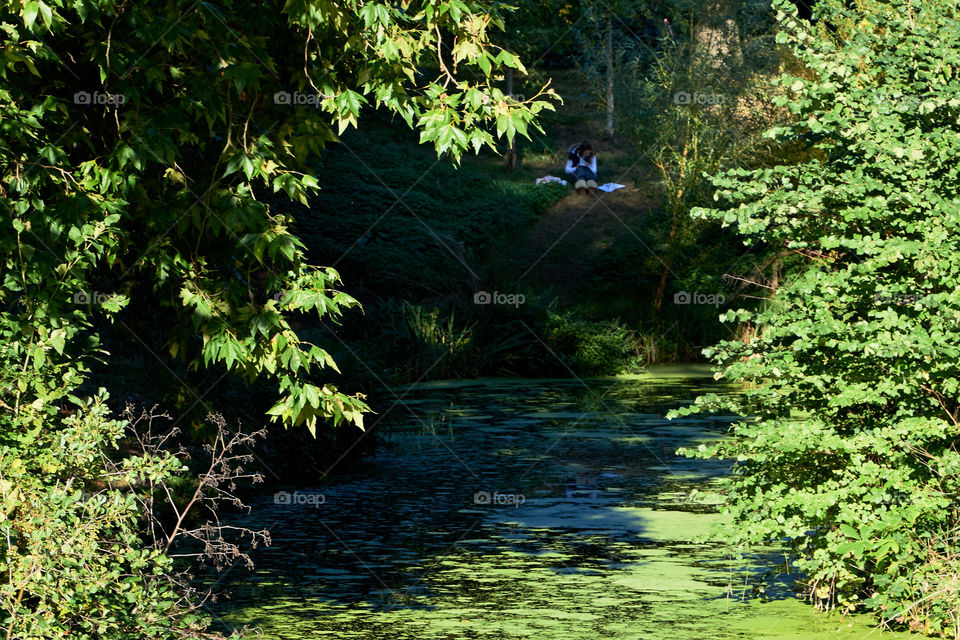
(542, 509)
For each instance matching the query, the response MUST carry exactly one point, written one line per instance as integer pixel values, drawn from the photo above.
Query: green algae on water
(524, 509)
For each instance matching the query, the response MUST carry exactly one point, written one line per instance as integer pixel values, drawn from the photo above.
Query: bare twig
(196, 532)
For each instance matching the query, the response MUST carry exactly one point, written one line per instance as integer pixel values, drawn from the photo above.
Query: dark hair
(576, 152)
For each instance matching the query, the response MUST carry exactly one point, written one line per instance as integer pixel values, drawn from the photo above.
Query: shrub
(591, 348)
(102, 520)
(849, 451)
(75, 563)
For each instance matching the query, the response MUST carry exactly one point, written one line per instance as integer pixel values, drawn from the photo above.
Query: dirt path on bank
(565, 239)
(557, 249)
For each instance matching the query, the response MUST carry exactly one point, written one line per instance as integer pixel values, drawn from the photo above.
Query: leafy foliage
(590, 348)
(687, 117)
(75, 564)
(142, 146)
(133, 164)
(850, 448)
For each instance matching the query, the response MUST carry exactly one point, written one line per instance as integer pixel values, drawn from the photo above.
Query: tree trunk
(667, 262)
(661, 288)
(608, 53)
(717, 34)
(511, 160)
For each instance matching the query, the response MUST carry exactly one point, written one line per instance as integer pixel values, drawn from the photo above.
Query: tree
(603, 30)
(143, 150)
(695, 117)
(610, 73)
(848, 445)
(141, 142)
(532, 30)
(717, 33)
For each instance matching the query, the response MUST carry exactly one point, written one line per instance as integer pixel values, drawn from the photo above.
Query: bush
(591, 348)
(850, 449)
(102, 520)
(75, 563)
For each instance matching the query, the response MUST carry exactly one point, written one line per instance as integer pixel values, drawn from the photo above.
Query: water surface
(544, 509)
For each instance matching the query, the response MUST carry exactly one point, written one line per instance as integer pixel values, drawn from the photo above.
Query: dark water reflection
(519, 509)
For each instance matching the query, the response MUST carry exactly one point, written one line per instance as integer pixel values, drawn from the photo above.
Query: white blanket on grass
(610, 186)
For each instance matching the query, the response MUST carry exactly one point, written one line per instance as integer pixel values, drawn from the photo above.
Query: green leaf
(30, 9)
(58, 340)
(483, 61)
(47, 14)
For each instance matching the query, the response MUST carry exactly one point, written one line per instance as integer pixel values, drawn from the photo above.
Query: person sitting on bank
(582, 165)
